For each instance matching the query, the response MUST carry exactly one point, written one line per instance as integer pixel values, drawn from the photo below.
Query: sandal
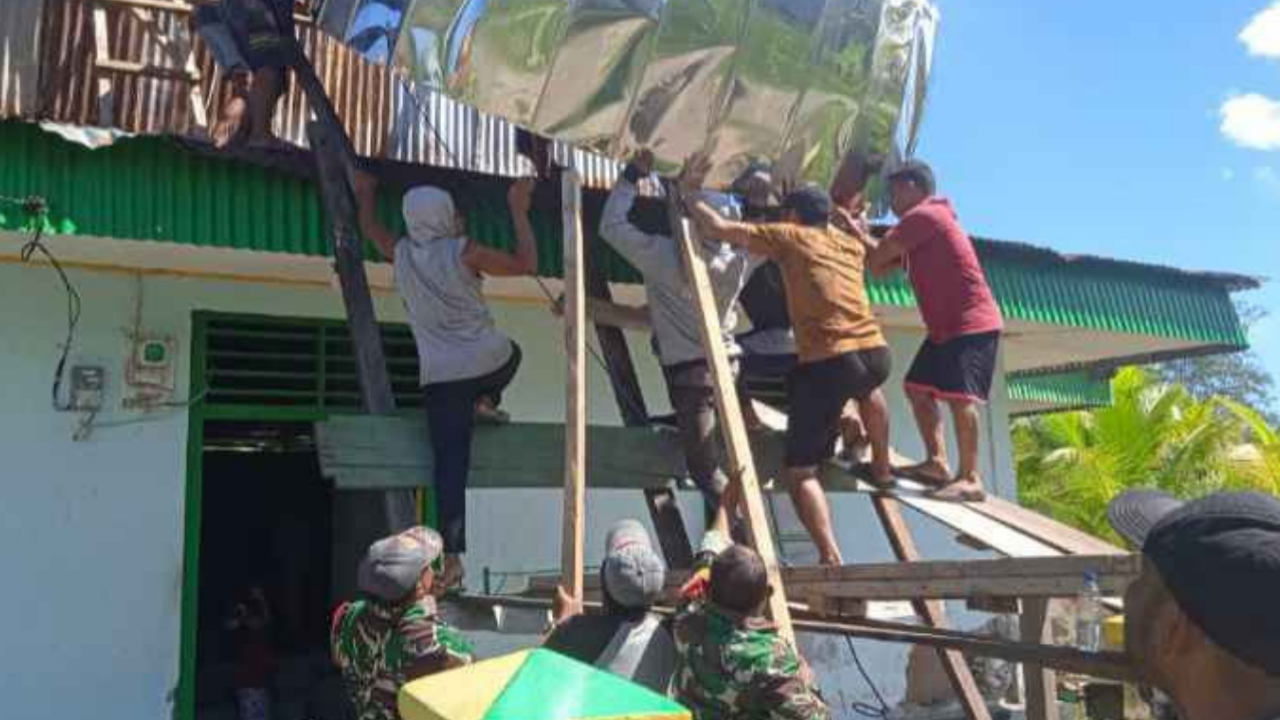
(919, 473)
(959, 490)
(863, 471)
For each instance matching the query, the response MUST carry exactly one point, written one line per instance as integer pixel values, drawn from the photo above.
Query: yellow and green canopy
(533, 685)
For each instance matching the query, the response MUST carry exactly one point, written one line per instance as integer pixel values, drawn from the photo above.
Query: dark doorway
(265, 560)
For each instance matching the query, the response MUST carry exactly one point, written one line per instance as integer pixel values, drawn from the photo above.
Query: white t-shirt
(451, 323)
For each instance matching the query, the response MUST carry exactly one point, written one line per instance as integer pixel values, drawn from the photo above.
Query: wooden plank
(938, 579)
(673, 538)
(360, 452)
(1105, 665)
(1061, 536)
(572, 546)
(738, 458)
(962, 518)
(102, 51)
(931, 612)
(1042, 684)
(623, 379)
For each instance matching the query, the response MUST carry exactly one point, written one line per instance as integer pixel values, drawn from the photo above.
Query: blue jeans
(451, 422)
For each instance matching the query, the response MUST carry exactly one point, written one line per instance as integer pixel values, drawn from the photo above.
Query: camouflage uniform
(736, 668)
(379, 647)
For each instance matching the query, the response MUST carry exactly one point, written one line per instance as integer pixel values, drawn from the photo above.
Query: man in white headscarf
(466, 362)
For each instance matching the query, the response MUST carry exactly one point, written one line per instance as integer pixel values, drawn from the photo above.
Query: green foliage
(1154, 435)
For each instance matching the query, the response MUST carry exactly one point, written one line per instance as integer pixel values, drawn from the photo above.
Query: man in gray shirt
(673, 316)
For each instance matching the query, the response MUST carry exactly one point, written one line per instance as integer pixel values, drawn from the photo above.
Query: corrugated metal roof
(19, 56)
(1032, 394)
(387, 116)
(175, 196)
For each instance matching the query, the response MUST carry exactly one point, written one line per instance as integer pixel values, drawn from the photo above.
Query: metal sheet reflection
(794, 82)
(598, 66)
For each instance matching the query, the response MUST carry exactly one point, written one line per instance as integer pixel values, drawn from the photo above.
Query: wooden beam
(1041, 684)
(627, 392)
(931, 612)
(741, 466)
(940, 579)
(572, 546)
(376, 453)
(1105, 665)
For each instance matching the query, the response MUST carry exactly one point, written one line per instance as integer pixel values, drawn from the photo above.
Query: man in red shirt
(957, 361)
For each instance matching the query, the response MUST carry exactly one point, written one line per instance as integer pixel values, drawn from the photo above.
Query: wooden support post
(575, 411)
(741, 465)
(931, 612)
(1042, 685)
(335, 160)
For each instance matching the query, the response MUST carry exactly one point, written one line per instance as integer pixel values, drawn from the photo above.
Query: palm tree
(1155, 435)
(1259, 455)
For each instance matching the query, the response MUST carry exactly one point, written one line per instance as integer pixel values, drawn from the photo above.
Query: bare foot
(230, 127)
(830, 559)
(929, 472)
(965, 489)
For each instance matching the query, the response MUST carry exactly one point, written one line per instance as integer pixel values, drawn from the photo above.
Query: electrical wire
(37, 209)
(866, 709)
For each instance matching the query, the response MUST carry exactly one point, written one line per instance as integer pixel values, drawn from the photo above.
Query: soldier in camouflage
(394, 635)
(733, 664)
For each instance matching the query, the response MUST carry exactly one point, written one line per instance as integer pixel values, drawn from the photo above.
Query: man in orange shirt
(842, 353)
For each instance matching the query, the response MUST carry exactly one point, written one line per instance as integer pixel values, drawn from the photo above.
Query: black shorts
(960, 369)
(817, 393)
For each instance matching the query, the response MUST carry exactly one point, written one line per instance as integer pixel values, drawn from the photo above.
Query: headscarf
(429, 213)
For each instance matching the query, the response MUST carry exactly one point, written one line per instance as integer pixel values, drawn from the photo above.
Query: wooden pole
(1041, 683)
(931, 612)
(1104, 665)
(575, 413)
(741, 465)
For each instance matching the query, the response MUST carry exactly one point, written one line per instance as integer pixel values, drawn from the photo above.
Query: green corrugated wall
(151, 189)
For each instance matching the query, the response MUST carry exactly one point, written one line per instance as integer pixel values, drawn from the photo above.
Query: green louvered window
(298, 363)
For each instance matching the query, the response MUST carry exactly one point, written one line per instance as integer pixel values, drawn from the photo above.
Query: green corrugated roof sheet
(150, 189)
(1072, 390)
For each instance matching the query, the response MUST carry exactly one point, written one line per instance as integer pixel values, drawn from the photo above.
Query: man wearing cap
(957, 361)
(732, 662)
(627, 639)
(673, 315)
(393, 635)
(1202, 621)
(842, 353)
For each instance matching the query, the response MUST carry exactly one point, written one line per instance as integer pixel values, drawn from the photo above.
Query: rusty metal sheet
(19, 56)
(795, 82)
(388, 112)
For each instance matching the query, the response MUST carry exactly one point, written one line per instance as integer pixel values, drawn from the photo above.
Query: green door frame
(197, 415)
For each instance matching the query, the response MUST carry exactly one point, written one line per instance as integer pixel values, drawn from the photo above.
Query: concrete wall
(91, 533)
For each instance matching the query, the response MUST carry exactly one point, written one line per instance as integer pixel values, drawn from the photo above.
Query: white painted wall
(91, 532)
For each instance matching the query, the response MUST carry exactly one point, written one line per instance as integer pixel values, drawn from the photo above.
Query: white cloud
(1252, 121)
(1262, 34)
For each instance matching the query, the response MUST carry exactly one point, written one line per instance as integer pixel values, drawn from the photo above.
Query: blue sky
(1141, 129)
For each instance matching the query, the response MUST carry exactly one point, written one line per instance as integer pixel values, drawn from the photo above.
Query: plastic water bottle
(1090, 615)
